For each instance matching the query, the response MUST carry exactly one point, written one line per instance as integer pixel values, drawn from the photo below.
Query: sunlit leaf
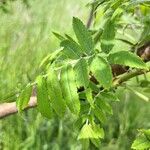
(108, 96)
(24, 97)
(71, 49)
(89, 96)
(68, 84)
(43, 102)
(104, 105)
(50, 58)
(102, 71)
(91, 131)
(141, 143)
(81, 73)
(83, 36)
(60, 37)
(101, 116)
(96, 142)
(126, 58)
(55, 93)
(108, 35)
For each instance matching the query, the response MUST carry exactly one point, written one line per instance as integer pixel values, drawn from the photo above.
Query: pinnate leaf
(108, 36)
(24, 97)
(83, 35)
(109, 96)
(89, 96)
(126, 58)
(104, 105)
(102, 71)
(60, 37)
(101, 116)
(68, 84)
(141, 143)
(71, 49)
(91, 131)
(43, 102)
(81, 73)
(55, 93)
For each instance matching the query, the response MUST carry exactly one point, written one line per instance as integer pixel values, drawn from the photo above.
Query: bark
(7, 109)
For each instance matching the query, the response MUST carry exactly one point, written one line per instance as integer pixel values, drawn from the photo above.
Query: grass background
(25, 38)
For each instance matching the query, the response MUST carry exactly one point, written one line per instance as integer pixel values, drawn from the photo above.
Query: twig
(128, 76)
(7, 109)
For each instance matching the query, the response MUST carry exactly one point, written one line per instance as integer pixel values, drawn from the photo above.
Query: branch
(128, 76)
(7, 109)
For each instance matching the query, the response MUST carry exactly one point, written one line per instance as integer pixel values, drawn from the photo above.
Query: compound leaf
(43, 102)
(81, 73)
(99, 114)
(68, 84)
(102, 71)
(104, 105)
(91, 131)
(126, 58)
(71, 49)
(55, 93)
(24, 97)
(108, 35)
(141, 143)
(83, 35)
(108, 96)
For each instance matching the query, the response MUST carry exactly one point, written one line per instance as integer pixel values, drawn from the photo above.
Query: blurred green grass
(25, 38)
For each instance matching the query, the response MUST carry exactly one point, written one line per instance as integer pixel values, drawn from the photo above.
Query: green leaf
(99, 114)
(102, 71)
(145, 35)
(85, 144)
(50, 58)
(82, 95)
(96, 142)
(55, 93)
(68, 84)
(43, 102)
(24, 97)
(60, 37)
(71, 49)
(146, 133)
(85, 106)
(127, 58)
(104, 105)
(79, 122)
(108, 96)
(89, 96)
(69, 37)
(93, 86)
(141, 143)
(91, 131)
(81, 73)
(107, 38)
(83, 35)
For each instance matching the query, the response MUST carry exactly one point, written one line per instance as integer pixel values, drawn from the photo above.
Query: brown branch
(7, 109)
(128, 76)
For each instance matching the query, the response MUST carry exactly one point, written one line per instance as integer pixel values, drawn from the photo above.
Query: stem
(7, 109)
(89, 22)
(128, 76)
